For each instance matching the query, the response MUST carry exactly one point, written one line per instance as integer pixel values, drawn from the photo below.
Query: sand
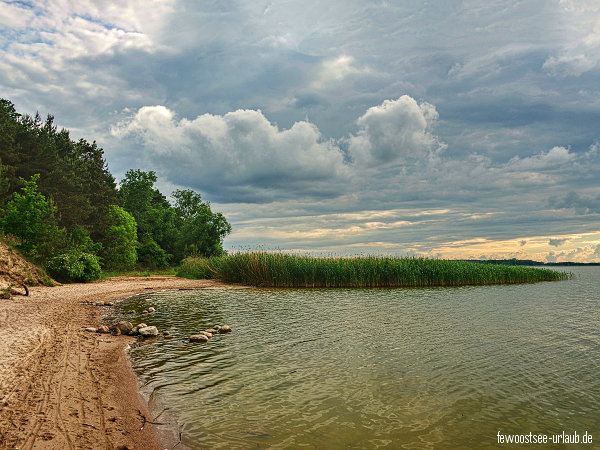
(64, 388)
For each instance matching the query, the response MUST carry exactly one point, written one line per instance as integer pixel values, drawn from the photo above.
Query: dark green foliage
(282, 270)
(74, 267)
(152, 256)
(119, 251)
(73, 174)
(81, 241)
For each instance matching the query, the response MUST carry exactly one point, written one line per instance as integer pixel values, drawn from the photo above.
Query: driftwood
(13, 291)
(144, 420)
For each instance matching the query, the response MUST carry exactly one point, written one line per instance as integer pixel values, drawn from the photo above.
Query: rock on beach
(123, 327)
(136, 329)
(148, 331)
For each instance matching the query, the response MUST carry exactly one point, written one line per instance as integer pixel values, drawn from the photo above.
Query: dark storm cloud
(581, 204)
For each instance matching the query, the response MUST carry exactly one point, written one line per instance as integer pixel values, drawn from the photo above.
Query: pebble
(151, 309)
(225, 329)
(212, 331)
(206, 333)
(198, 338)
(91, 329)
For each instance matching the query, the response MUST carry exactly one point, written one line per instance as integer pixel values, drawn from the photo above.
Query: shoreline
(63, 387)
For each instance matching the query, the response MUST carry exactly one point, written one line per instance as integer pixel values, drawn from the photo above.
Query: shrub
(151, 255)
(74, 267)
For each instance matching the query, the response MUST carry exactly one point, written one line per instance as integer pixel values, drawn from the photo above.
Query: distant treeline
(529, 262)
(61, 206)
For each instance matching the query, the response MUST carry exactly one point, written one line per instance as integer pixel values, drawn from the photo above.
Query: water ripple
(359, 368)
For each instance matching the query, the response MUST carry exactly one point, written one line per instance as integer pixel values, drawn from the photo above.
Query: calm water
(370, 368)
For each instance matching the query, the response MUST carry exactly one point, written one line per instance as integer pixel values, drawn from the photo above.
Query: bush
(74, 267)
(151, 255)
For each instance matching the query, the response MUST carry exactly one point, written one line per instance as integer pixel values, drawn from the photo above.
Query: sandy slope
(62, 387)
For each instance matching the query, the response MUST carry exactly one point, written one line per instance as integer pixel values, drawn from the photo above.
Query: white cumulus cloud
(396, 131)
(240, 151)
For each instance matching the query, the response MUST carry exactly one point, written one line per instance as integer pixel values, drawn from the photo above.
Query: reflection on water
(369, 368)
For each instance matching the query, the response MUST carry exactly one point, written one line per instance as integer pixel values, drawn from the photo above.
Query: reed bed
(284, 270)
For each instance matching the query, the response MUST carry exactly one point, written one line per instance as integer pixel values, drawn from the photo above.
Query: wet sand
(63, 387)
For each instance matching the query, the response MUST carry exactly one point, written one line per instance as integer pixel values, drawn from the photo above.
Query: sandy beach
(63, 387)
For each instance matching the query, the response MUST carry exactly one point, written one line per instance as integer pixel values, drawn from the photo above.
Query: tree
(32, 218)
(136, 193)
(153, 213)
(200, 231)
(119, 251)
(73, 174)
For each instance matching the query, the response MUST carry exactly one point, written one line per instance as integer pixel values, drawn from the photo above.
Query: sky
(455, 129)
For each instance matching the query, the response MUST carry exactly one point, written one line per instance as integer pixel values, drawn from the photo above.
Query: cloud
(242, 156)
(239, 155)
(557, 242)
(555, 157)
(580, 52)
(14, 16)
(336, 69)
(588, 253)
(396, 131)
(581, 204)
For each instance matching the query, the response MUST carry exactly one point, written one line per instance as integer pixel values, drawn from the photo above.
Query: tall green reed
(286, 270)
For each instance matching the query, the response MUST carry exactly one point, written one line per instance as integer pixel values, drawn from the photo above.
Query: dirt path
(62, 387)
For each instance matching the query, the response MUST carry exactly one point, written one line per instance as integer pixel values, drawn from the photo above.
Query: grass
(5, 293)
(284, 270)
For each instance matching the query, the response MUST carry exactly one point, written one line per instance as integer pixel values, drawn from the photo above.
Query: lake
(373, 368)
